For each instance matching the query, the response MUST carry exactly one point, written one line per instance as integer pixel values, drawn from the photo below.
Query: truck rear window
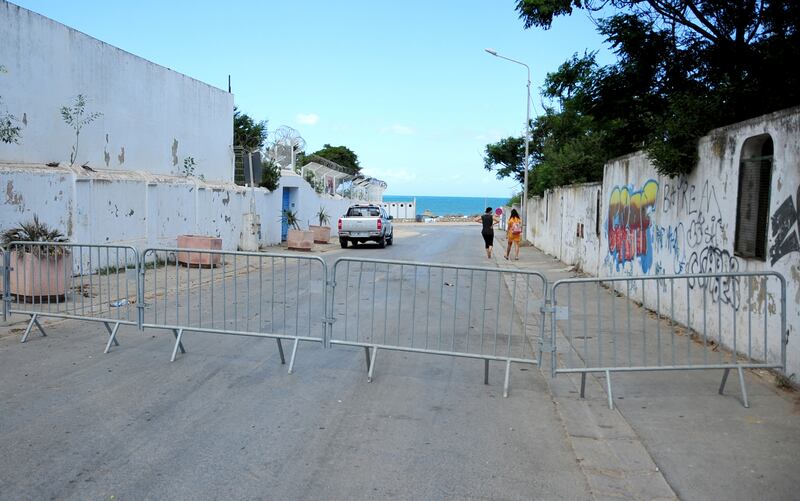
(363, 212)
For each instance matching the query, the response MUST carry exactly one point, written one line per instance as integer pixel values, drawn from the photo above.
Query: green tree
(341, 155)
(247, 133)
(270, 175)
(683, 67)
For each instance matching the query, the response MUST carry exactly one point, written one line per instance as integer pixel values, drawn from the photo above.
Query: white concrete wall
(141, 210)
(152, 117)
(688, 225)
(563, 223)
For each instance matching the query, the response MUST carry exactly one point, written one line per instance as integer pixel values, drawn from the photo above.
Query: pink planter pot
(322, 234)
(36, 280)
(300, 240)
(199, 243)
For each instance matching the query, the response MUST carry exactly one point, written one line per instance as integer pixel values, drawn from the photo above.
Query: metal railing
(97, 283)
(721, 321)
(670, 322)
(460, 311)
(234, 293)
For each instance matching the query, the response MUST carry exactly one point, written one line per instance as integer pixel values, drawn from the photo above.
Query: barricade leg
(608, 390)
(372, 364)
(485, 371)
(280, 352)
(178, 335)
(112, 336)
(34, 321)
(508, 377)
(366, 355)
(740, 370)
(294, 352)
(583, 384)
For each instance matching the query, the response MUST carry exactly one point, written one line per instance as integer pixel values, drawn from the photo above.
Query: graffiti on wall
(786, 229)
(697, 241)
(630, 232)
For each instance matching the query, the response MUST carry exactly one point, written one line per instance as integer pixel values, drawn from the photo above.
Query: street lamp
(527, 140)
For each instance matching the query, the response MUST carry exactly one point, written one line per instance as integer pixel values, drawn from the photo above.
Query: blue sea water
(450, 206)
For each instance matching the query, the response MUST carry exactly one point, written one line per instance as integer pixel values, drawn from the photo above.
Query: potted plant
(296, 238)
(37, 271)
(322, 233)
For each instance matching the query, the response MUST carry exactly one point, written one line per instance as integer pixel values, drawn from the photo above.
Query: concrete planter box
(199, 243)
(300, 239)
(322, 234)
(35, 279)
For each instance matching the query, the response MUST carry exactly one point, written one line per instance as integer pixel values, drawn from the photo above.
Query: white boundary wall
(690, 227)
(140, 209)
(152, 117)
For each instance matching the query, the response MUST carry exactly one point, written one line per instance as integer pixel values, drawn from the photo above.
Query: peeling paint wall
(564, 223)
(141, 211)
(152, 117)
(656, 225)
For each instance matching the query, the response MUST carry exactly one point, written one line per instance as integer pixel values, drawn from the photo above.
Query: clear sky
(406, 85)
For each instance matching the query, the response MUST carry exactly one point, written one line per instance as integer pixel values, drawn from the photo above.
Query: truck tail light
(340, 224)
(380, 224)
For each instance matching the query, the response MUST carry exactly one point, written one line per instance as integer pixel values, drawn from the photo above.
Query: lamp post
(527, 140)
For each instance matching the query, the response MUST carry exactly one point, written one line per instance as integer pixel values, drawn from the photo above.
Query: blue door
(285, 207)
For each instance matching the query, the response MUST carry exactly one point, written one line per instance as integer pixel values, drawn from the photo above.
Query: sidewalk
(671, 433)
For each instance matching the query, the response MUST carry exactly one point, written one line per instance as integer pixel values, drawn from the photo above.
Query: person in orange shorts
(513, 234)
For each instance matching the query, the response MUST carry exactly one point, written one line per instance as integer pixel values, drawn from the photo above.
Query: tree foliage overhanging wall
(683, 68)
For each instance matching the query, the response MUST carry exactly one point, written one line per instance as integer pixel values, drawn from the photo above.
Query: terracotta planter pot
(200, 243)
(322, 234)
(300, 240)
(36, 280)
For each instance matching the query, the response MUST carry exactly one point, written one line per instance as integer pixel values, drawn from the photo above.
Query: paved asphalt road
(226, 421)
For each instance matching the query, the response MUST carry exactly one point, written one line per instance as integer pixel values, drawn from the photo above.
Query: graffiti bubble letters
(630, 234)
(787, 239)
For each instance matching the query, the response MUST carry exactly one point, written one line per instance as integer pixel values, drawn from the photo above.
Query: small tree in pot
(37, 271)
(322, 233)
(296, 238)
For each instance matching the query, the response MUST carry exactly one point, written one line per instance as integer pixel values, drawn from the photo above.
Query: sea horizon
(450, 205)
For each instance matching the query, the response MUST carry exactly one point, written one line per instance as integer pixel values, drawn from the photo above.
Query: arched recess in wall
(752, 203)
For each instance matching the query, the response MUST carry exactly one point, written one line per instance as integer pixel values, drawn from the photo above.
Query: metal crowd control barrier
(95, 283)
(235, 293)
(4, 282)
(671, 322)
(459, 311)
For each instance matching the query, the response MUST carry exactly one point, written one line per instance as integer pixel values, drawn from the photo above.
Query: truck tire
(382, 242)
(343, 243)
(390, 240)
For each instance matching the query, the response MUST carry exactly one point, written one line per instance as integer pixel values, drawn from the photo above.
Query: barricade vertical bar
(372, 298)
(570, 337)
(414, 309)
(386, 308)
(644, 326)
(497, 313)
(599, 327)
(7, 283)
(399, 302)
(658, 326)
(441, 305)
(705, 321)
(485, 371)
(455, 308)
(750, 319)
(688, 324)
(585, 326)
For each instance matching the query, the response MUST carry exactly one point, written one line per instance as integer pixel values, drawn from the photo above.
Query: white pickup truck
(366, 223)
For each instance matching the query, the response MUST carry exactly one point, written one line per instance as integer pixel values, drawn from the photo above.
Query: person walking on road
(513, 234)
(488, 220)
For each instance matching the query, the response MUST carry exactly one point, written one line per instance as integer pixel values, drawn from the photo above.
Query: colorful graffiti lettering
(630, 233)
